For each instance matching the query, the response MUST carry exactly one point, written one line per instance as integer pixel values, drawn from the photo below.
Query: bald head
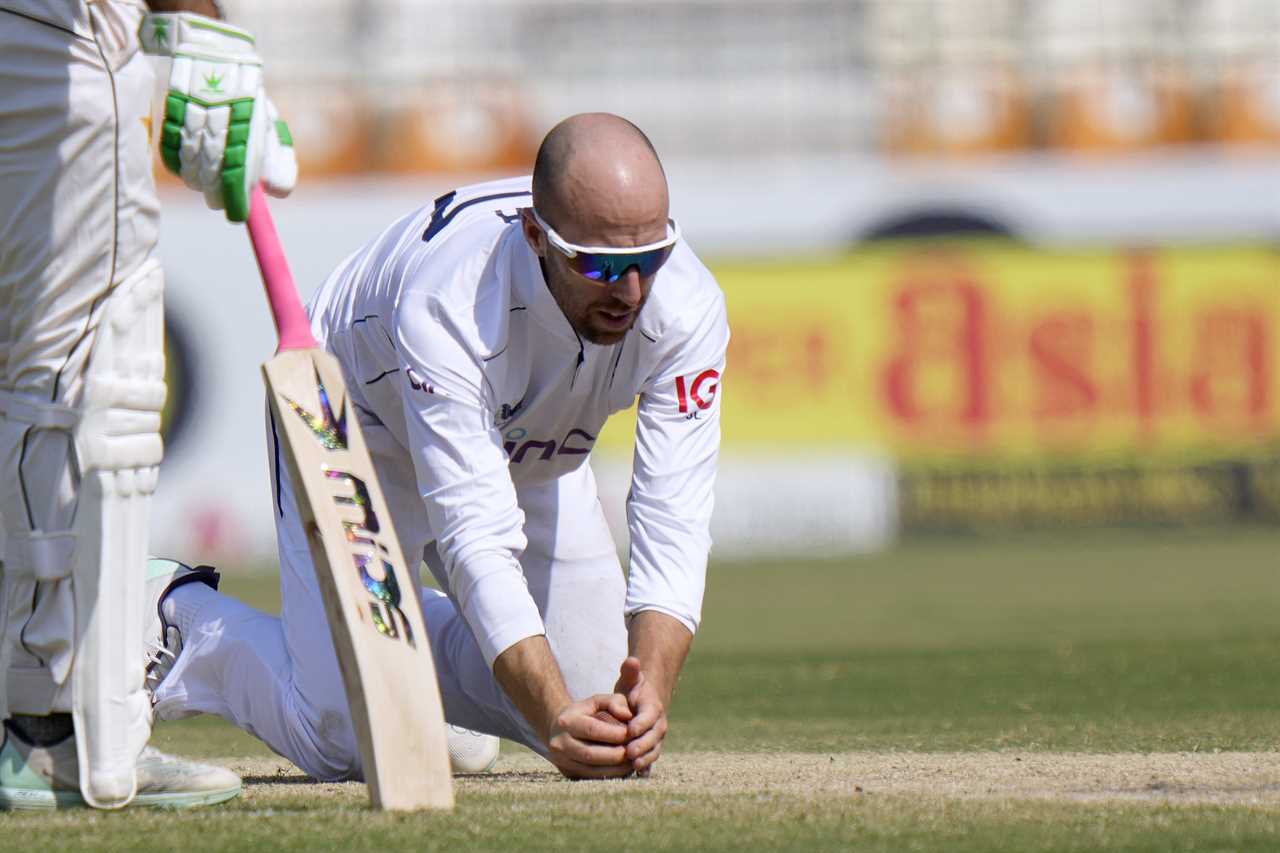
(597, 180)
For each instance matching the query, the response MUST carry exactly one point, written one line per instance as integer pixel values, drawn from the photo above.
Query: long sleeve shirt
(448, 335)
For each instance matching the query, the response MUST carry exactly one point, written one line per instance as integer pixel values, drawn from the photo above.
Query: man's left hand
(648, 727)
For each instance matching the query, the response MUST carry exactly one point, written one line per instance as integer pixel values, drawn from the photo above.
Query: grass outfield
(1115, 690)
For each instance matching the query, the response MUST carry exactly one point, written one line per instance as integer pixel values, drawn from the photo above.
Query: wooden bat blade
(370, 596)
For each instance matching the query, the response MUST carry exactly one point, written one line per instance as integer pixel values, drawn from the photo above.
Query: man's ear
(533, 234)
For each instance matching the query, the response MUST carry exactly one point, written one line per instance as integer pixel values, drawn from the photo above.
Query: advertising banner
(900, 387)
(1018, 385)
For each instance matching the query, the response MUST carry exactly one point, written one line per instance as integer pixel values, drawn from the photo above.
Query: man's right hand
(587, 739)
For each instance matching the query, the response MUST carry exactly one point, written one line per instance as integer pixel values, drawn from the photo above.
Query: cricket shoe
(162, 641)
(45, 778)
(471, 752)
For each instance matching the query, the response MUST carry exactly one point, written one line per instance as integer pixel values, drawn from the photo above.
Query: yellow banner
(947, 351)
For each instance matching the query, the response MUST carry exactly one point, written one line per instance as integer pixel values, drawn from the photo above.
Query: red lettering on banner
(1232, 380)
(942, 329)
(1061, 346)
(817, 359)
(1142, 296)
(783, 364)
(1007, 351)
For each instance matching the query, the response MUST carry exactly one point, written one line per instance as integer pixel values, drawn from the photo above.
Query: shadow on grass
(282, 779)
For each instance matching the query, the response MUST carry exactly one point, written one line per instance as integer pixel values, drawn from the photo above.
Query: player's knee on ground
(324, 742)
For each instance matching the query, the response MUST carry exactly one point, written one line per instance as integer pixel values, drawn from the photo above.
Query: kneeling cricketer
(485, 339)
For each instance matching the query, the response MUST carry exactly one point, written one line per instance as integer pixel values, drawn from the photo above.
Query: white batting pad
(119, 448)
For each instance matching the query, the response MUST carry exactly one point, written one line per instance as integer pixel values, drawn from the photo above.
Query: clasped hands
(611, 735)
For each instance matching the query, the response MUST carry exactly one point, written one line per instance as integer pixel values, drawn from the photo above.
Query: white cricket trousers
(78, 216)
(278, 678)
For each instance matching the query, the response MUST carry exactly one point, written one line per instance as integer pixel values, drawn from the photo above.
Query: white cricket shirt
(449, 336)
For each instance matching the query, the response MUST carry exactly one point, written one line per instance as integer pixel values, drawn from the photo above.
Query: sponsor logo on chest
(520, 446)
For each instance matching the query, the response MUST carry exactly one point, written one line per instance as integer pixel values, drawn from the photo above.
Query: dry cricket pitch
(1240, 778)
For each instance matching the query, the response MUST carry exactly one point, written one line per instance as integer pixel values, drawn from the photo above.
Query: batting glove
(221, 133)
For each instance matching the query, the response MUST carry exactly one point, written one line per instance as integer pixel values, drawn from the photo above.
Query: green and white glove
(221, 134)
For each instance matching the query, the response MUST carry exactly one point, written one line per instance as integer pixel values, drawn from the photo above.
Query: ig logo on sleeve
(701, 391)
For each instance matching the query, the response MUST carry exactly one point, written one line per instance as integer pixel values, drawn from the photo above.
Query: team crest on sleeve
(697, 392)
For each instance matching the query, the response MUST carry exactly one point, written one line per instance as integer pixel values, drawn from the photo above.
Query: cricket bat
(370, 597)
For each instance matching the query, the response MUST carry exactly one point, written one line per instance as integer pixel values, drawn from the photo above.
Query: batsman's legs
(81, 389)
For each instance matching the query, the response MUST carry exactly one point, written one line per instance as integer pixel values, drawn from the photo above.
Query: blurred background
(991, 265)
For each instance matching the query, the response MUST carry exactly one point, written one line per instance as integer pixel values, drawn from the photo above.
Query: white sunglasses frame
(571, 250)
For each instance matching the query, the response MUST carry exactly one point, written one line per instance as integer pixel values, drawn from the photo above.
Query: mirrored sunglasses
(606, 264)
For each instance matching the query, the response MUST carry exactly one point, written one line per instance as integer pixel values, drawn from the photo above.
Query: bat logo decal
(384, 592)
(331, 431)
(363, 533)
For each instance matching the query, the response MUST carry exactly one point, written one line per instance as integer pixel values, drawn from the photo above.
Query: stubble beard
(606, 337)
(580, 316)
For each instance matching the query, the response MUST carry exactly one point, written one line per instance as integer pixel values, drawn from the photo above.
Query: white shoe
(471, 752)
(162, 641)
(47, 777)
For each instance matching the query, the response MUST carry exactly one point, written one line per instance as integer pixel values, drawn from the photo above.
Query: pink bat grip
(286, 308)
